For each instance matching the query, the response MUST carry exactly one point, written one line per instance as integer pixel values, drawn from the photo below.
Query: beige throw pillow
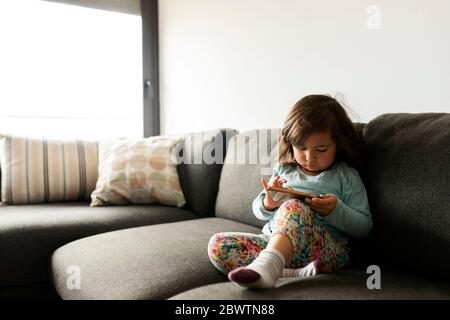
(138, 171)
(38, 170)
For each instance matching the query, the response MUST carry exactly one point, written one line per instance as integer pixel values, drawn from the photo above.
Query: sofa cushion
(203, 154)
(344, 284)
(29, 234)
(250, 155)
(152, 262)
(408, 186)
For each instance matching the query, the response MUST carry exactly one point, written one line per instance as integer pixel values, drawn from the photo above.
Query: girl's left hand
(323, 205)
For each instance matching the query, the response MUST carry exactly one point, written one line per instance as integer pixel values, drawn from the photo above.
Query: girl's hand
(269, 203)
(323, 205)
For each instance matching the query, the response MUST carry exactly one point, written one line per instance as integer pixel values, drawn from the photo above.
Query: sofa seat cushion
(29, 234)
(152, 262)
(343, 284)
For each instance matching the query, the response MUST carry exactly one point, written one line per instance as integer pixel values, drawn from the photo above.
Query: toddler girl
(317, 154)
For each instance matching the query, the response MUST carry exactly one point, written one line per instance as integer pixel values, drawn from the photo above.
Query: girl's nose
(309, 155)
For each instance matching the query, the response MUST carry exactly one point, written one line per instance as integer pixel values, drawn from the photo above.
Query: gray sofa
(160, 252)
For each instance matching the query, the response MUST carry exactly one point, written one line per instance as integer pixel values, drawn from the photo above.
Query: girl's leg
(280, 242)
(314, 250)
(310, 246)
(267, 268)
(230, 250)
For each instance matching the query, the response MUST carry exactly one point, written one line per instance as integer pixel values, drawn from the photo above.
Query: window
(69, 71)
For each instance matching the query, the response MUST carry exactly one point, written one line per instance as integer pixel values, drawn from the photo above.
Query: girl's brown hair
(319, 113)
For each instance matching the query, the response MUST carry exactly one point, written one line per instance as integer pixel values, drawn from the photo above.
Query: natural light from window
(69, 72)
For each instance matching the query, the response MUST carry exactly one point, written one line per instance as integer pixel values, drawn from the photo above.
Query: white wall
(244, 63)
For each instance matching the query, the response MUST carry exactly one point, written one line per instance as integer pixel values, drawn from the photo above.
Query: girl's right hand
(268, 202)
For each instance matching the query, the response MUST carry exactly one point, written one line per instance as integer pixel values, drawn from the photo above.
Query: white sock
(307, 271)
(269, 264)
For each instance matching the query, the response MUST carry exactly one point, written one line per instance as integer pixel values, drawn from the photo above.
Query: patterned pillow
(139, 171)
(38, 170)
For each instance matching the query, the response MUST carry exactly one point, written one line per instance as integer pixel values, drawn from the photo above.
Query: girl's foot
(261, 273)
(314, 268)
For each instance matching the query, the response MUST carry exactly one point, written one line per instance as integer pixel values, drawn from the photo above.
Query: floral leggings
(310, 239)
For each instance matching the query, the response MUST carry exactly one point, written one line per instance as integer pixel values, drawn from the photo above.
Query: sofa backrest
(202, 160)
(199, 175)
(250, 155)
(408, 184)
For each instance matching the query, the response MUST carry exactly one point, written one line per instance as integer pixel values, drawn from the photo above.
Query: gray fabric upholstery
(29, 234)
(343, 284)
(408, 184)
(153, 262)
(250, 155)
(200, 181)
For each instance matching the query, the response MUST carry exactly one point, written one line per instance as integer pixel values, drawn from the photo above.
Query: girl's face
(316, 154)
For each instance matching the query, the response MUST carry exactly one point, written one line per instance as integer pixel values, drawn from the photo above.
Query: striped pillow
(39, 170)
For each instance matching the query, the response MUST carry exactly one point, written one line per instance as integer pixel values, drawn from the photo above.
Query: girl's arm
(352, 213)
(258, 206)
(259, 210)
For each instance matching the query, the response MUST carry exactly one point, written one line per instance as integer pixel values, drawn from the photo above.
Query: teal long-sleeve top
(351, 217)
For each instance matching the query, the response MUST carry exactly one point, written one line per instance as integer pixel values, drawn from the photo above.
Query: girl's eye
(322, 150)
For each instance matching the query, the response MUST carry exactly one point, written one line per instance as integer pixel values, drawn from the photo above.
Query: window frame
(150, 67)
